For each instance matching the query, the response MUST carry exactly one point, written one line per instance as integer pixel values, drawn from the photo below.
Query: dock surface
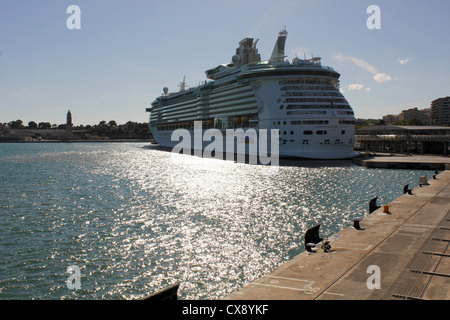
(403, 254)
(425, 162)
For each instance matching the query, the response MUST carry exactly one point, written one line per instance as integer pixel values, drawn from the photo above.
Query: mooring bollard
(309, 246)
(312, 238)
(356, 223)
(423, 181)
(407, 190)
(386, 209)
(373, 205)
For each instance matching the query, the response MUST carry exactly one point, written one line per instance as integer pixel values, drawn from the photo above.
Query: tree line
(18, 124)
(102, 130)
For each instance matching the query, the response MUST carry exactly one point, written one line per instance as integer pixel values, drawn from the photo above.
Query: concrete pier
(424, 162)
(402, 254)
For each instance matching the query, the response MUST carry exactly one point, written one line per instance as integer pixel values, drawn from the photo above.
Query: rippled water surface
(135, 219)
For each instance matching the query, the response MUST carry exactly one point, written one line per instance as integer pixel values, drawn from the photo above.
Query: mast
(182, 85)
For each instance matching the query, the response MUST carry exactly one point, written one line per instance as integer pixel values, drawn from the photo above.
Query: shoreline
(75, 141)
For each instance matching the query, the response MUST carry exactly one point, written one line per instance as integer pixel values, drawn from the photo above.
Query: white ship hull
(289, 149)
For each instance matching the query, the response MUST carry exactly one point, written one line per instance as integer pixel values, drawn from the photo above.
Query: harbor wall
(398, 253)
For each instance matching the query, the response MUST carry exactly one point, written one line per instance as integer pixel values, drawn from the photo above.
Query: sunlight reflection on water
(136, 219)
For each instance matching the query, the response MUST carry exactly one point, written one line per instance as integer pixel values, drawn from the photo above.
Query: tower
(278, 50)
(69, 126)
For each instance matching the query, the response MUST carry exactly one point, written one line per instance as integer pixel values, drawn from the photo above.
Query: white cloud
(358, 62)
(363, 64)
(382, 77)
(355, 86)
(404, 61)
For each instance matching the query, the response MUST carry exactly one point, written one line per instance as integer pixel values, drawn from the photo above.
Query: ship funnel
(278, 50)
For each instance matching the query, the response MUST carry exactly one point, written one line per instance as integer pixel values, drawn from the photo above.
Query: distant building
(440, 111)
(69, 126)
(410, 114)
(423, 116)
(404, 139)
(391, 118)
(427, 117)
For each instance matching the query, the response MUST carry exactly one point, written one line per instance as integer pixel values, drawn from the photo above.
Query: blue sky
(127, 51)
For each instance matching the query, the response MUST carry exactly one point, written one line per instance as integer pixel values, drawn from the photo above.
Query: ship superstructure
(300, 98)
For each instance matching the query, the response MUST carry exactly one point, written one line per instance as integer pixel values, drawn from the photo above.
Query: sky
(125, 52)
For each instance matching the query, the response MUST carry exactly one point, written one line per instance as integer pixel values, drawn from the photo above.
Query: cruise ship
(299, 98)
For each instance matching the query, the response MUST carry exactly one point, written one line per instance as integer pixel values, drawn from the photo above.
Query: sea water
(133, 219)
